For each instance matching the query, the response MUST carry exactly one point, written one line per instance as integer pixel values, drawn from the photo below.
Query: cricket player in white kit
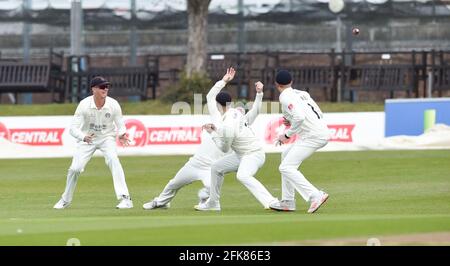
(96, 124)
(231, 131)
(306, 120)
(198, 168)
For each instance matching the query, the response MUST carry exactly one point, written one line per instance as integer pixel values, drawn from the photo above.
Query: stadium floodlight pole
(76, 40)
(338, 33)
(76, 28)
(336, 6)
(133, 35)
(241, 28)
(242, 89)
(26, 40)
(133, 42)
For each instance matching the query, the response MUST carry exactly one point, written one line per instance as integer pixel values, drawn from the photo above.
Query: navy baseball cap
(283, 77)
(99, 81)
(223, 98)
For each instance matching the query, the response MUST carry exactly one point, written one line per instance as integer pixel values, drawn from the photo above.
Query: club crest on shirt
(107, 115)
(290, 106)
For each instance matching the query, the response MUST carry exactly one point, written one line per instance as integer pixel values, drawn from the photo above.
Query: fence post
(424, 72)
(431, 73)
(333, 88)
(342, 76)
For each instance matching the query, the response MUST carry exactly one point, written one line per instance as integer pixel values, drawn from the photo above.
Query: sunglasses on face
(103, 87)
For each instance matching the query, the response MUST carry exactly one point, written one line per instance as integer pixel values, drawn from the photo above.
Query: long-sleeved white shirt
(214, 113)
(304, 114)
(207, 153)
(233, 128)
(104, 122)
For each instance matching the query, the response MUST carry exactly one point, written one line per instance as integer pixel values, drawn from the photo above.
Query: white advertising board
(48, 136)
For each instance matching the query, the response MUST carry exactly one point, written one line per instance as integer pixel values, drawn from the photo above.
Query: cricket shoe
(125, 203)
(267, 207)
(283, 205)
(208, 206)
(154, 205)
(61, 204)
(318, 201)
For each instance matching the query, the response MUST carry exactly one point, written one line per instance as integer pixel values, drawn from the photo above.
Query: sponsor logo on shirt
(98, 128)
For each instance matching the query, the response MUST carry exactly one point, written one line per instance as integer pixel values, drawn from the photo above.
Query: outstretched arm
(256, 108)
(211, 96)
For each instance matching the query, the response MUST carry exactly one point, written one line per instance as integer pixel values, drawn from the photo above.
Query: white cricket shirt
(233, 128)
(207, 153)
(104, 122)
(304, 114)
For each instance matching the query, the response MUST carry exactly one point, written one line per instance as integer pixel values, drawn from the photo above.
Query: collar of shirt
(286, 91)
(105, 106)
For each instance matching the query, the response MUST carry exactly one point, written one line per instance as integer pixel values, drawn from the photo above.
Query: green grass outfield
(372, 194)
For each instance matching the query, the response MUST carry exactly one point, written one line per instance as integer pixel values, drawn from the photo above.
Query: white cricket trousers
(245, 167)
(291, 178)
(186, 175)
(83, 154)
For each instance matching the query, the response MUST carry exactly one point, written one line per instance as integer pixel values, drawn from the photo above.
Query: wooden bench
(305, 78)
(381, 78)
(17, 77)
(125, 81)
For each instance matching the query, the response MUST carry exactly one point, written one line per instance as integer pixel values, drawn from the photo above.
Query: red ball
(355, 31)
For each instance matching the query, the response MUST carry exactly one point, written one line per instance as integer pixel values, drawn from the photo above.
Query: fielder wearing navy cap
(283, 77)
(99, 81)
(223, 98)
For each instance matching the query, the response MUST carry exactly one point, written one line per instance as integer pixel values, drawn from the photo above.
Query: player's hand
(229, 75)
(277, 143)
(259, 86)
(281, 140)
(124, 140)
(209, 127)
(88, 139)
(286, 122)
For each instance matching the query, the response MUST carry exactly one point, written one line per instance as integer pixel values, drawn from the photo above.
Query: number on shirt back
(319, 116)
